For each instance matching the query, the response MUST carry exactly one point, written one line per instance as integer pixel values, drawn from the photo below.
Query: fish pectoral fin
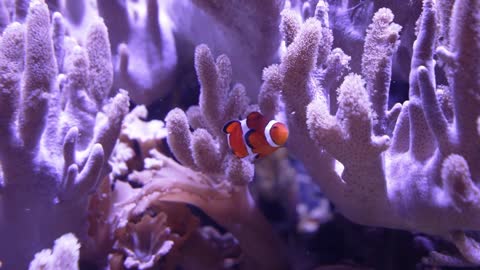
(238, 154)
(230, 126)
(254, 140)
(247, 138)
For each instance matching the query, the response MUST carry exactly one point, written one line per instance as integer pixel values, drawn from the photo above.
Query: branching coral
(213, 179)
(412, 176)
(78, 16)
(56, 135)
(147, 57)
(349, 21)
(155, 40)
(253, 38)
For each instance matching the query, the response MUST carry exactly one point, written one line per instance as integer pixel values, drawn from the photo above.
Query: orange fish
(255, 135)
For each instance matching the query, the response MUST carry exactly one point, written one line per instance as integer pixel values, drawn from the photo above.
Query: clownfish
(255, 135)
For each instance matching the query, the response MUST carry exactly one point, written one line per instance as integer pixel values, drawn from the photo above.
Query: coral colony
(150, 134)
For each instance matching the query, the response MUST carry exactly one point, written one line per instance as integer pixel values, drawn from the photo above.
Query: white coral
(64, 256)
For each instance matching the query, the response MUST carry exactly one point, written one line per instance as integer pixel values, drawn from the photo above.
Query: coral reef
(380, 170)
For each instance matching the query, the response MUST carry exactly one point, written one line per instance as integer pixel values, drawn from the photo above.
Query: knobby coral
(57, 131)
(65, 255)
(413, 167)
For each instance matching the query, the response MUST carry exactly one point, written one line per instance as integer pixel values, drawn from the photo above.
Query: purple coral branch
(433, 113)
(100, 67)
(416, 178)
(464, 48)
(40, 69)
(219, 186)
(48, 172)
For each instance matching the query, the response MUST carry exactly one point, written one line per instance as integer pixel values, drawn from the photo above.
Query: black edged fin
(227, 128)
(247, 138)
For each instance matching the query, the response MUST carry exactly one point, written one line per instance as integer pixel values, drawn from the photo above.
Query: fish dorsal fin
(255, 120)
(231, 126)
